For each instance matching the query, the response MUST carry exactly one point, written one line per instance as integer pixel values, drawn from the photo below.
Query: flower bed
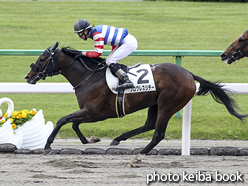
(18, 118)
(25, 129)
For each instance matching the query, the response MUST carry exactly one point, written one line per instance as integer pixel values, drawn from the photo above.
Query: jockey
(121, 41)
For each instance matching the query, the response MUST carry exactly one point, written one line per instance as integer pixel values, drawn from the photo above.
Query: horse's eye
(42, 59)
(240, 40)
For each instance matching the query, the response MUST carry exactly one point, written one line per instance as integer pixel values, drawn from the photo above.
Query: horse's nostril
(235, 55)
(26, 77)
(222, 55)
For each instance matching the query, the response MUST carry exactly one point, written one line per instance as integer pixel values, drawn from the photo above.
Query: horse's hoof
(46, 151)
(129, 165)
(94, 139)
(114, 143)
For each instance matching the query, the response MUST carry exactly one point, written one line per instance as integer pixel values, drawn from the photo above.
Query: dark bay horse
(175, 86)
(237, 50)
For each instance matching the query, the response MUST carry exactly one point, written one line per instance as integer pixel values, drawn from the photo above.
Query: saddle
(140, 75)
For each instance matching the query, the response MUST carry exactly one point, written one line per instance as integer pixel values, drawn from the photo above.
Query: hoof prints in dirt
(216, 151)
(66, 164)
(43, 176)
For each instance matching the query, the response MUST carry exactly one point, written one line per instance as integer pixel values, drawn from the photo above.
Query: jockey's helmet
(81, 25)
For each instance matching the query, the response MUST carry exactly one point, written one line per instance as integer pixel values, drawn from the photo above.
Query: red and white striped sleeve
(98, 45)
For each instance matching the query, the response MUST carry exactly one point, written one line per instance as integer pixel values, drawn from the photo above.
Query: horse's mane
(76, 53)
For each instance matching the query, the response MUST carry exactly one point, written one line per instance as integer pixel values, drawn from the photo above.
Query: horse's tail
(219, 94)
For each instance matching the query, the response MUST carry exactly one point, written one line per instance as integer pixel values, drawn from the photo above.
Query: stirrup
(127, 84)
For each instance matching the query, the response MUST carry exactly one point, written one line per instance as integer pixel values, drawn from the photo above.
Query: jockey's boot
(123, 77)
(126, 83)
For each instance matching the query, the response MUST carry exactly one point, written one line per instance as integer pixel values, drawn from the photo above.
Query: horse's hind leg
(149, 125)
(158, 135)
(160, 128)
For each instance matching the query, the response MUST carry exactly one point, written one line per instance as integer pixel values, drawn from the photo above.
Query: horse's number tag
(141, 76)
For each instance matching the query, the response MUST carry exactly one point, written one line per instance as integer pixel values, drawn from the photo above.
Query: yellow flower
(3, 121)
(5, 115)
(15, 113)
(25, 111)
(19, 116)
(32, 112)
(24, 114)
(11, 120)
(13, 126)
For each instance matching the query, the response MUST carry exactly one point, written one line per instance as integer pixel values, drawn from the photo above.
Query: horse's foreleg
(77, 117)
(82, 138)
(79, 133)
(149, 125)
(55, 131)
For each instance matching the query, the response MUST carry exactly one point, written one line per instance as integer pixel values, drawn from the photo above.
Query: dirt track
(21, 169)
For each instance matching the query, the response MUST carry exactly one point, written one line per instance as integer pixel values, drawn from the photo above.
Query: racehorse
(175, 87)
(237, 50)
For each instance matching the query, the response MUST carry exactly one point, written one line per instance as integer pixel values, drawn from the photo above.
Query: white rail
(237, 88)
(49, 88)
(41, 88)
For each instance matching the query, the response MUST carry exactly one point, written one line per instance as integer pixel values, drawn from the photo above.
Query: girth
(120, 110)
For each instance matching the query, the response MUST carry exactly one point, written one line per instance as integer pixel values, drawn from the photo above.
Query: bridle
(236, 55)
(50, 67)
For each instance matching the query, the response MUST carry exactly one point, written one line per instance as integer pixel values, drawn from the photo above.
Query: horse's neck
(76, 72)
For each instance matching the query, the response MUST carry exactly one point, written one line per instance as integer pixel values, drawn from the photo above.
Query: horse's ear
(53, 48)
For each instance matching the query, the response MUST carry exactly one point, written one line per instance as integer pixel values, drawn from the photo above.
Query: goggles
(80, 34)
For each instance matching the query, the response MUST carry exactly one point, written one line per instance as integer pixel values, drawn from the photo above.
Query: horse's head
(46, 65)
(237, 50)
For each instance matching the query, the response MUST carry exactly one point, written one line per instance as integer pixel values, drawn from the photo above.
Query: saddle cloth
(141, 77)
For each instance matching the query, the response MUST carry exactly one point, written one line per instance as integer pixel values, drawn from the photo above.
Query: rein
(92, 72)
